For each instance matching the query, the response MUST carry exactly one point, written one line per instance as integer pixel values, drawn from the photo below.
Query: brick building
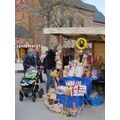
(26, 23)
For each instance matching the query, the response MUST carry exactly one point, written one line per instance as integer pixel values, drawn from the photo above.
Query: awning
(96, 34)
(28, 46)
(75, 31)
(42, 47)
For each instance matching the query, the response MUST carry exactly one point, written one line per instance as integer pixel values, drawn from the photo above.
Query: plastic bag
(44, 76)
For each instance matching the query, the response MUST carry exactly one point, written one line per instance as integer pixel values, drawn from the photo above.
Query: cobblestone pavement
(27, 110)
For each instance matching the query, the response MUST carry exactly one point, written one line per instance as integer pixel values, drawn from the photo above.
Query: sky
(100, 4)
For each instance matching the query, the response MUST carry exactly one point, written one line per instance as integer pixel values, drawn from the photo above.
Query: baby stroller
(30, 84)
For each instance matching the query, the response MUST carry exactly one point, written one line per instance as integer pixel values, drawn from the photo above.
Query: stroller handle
(32, 65)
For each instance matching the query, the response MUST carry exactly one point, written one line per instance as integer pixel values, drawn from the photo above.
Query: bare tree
(52, 13)
(56, 12)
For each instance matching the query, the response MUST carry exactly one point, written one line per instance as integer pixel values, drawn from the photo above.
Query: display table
(84, 81)
(68, 100)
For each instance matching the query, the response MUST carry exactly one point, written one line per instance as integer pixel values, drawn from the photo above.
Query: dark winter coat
(31, 59)
(49, 60)
(37, 59)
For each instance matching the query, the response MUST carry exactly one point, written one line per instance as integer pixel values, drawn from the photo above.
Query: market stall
(21, 50)
(78, 63)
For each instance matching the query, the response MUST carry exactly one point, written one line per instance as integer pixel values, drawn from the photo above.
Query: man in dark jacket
(49, 63)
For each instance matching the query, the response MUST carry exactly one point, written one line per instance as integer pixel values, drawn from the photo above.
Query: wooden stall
(94, 35)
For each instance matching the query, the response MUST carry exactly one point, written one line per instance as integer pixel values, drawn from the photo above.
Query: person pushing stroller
(30, 82)
(32, 58)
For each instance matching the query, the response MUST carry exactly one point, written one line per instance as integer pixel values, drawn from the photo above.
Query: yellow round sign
(81, 43)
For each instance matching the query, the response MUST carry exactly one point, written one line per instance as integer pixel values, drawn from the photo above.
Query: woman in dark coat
(29, 59)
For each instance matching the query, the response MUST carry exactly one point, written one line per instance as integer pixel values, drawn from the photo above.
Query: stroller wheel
(21, 96)
(26, 94)
(41, 93)
(33, 97)
(36, 88)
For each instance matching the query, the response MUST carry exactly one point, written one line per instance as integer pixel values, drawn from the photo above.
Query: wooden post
(18, 54)
(61, 43)
(93, 51)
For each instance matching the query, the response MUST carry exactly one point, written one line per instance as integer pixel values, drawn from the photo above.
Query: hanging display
(81, 43)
